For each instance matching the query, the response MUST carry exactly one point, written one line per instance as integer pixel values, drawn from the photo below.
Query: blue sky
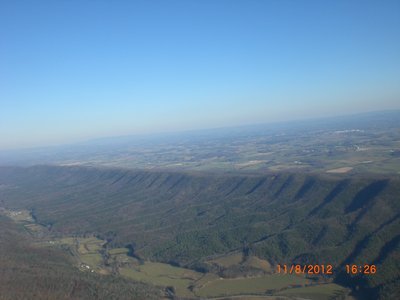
(73, 70)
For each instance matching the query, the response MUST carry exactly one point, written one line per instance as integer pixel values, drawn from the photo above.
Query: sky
(72, 70)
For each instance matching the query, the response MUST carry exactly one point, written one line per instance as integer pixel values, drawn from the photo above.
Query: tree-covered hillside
(32, 272)
(184, 218)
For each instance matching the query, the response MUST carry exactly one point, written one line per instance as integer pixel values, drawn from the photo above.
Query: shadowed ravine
(182, 218)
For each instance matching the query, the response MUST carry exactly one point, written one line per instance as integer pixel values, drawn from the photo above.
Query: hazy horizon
(74, 71)
(182, 132)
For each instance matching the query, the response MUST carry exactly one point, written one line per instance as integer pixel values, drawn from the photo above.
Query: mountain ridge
(185, 217)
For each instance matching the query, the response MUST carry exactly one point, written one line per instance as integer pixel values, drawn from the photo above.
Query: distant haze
(76, 70)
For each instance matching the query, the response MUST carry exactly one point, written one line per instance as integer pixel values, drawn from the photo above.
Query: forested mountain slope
(185, 217)
(32, 272)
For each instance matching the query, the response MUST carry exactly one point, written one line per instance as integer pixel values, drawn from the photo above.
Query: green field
(256, 262)
(86, 249)
(19, 215)
(33, 270)
(117, 251)
(187, 282)
(228, 260)
(164, 275)
(231, 225)
(92, 260)
(257, 285)
(319, 292)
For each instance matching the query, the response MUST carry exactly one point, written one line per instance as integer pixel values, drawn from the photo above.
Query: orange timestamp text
(305, 269)
(324, 269)
(361, 269)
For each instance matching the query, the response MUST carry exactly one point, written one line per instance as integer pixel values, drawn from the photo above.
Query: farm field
(219, 226)
(200, 150)
(189, 283)
(345, 145)
(228, 260)
(164, 275)
(320, 292)
(257, 285)
(233, 259)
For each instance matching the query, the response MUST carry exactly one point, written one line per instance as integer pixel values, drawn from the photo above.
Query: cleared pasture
(228, 260)
(164, 275)
(256, 285)
(318, 292)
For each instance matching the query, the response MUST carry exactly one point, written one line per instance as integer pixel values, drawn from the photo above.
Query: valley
(214, 235)
(193, 150)
(91, 255)
(30, 269)
(355, 144)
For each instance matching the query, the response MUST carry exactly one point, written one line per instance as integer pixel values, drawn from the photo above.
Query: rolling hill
(186, 218)
(32, 272)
